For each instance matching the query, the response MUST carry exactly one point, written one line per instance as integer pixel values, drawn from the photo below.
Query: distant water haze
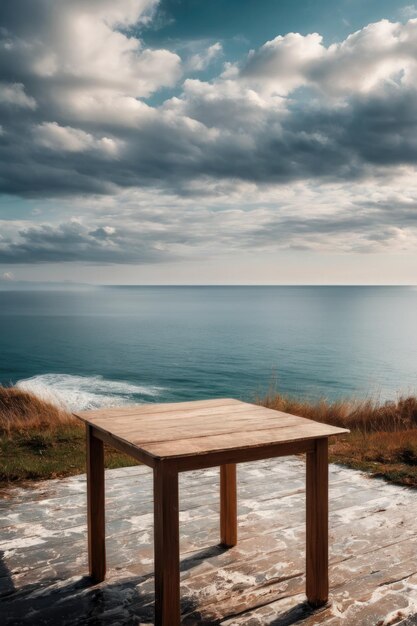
(106, 346)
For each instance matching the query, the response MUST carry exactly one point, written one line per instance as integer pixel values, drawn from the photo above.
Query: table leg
(167, 546)
(228, 505)
(317, 492)
(95, 507)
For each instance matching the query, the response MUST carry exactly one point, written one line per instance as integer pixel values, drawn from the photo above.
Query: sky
(220, 142)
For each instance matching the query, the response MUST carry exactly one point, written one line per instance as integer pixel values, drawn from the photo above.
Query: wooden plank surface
(200, 427)
(149, 409)
(372, 549)
(236, 440)
(142, 432)
(123, 446)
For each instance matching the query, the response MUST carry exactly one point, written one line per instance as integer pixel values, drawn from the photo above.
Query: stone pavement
(373, 538)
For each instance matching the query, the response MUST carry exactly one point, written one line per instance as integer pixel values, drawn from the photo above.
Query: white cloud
(13, 94)
(76, 53)
(381, 52)
(143, 227)
(282, 64)
(8, 276)
(201, 60)
(409, 11)
(114, 14)
(54, 137)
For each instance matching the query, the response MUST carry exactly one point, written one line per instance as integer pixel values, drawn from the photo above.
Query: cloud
(13, 94)
(73, 241)
(143, 227)
(66, 139)
(64, 51)
(216, 162)
(7, 276)
(246, 124)
(409, 11)
(201, 60)
(283, 64)
(368, 58)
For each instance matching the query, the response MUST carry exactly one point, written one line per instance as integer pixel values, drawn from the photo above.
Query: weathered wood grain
(95, 507)
(196, 434)
(190, 429)
(167, 546)
(228, 505)
(260, 582)
(149, 409)
(317, 543)
(235, 441)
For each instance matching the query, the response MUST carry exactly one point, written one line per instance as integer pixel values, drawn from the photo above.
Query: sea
(105, 346)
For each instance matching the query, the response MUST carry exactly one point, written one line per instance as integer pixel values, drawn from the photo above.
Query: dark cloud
(140, 238)
(75, 242)
(320, 144)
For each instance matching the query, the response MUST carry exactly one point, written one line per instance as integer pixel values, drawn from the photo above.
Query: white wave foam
(77, 393)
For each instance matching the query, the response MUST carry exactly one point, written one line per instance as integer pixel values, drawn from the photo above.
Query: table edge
(212, 458)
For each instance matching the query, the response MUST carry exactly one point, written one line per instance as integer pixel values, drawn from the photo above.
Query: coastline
(39, 441)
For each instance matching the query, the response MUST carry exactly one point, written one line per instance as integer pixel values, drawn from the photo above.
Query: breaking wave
(77, 393)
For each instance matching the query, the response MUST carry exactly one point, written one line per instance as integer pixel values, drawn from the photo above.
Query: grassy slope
(383, 437)
(39, 441)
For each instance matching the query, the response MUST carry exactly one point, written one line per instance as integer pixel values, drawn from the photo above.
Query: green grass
(37, 455)
(40, 441)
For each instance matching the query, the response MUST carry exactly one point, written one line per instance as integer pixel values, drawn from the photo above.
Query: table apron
(245, 455)
(211, 459)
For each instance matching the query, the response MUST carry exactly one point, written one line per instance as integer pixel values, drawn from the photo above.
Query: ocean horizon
(108, 345)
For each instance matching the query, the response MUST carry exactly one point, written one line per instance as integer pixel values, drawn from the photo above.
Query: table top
(180, 429)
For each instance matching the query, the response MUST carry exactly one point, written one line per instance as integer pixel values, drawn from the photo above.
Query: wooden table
(173, 438)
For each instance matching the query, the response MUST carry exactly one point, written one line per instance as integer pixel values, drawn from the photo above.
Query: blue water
(108, 345)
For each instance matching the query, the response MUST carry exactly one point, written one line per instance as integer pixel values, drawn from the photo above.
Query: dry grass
(365, 416)
(21, 411)
(383, 437)
(38, 440)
